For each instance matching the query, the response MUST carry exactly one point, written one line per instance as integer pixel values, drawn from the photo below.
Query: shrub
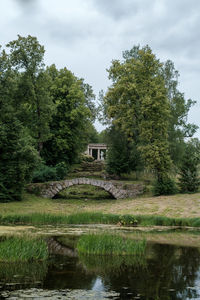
(189, 180)
(46, 173)
(164, 186)
(87, 158)
(61, 170)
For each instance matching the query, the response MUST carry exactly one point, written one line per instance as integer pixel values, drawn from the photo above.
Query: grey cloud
(26, 2)
(27, 6)
(96, 31)
(118, 9)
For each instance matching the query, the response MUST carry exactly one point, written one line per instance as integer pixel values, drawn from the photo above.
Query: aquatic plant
(98, 218)
(18, 248)
(109, 244)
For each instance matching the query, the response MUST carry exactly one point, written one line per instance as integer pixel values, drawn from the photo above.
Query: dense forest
(47, 116)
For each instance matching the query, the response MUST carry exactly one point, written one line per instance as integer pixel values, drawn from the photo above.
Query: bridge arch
(51, 189)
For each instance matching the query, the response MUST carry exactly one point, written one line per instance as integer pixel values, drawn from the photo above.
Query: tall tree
(137, 103)
(189, 180)
(179, 128)
(32, 98)
(122, 155)
(70, 120)
(17, 154)
(18, 158)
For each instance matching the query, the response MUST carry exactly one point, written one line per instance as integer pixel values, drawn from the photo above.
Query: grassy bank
(97, 218)
(179, 210)
(15, 249)
(176, 206)
(108, 244)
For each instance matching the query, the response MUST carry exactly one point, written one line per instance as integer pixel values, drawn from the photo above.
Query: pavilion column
(98, 155)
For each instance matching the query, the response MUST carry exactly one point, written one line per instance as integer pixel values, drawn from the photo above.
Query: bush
(18, 159)
(189, 180)
(46, 173)
(164, 186)
(61, 170)
(87, 158)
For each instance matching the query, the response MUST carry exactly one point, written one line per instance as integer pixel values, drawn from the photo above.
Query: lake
(167, 271)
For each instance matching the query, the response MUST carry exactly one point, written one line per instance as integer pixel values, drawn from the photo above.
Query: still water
(166, 272)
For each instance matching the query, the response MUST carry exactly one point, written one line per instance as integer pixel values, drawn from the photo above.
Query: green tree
(179, 128)
(91, 134)
(103, 136)
(122, 156)
(71, 119)
(18, 158)
(33, 103)
(137, 103)
(189, 180)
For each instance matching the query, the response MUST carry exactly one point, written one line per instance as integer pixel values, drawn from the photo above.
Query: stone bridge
(50, 189)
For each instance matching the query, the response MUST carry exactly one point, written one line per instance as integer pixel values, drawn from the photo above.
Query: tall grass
(13, 249)
(108, 244)
(97, 218)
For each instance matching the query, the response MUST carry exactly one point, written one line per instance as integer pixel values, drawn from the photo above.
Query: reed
(18, 248)
(97, 218)
(108, 244)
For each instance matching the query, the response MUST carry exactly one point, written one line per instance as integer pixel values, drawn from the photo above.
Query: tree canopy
(45, 115)
(144, 103)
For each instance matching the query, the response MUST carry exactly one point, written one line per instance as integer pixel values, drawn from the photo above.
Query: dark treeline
(46, 117)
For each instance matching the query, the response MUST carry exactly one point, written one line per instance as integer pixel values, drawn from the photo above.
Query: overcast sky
(85, 35)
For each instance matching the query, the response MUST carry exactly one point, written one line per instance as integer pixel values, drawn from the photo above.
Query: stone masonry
(50, 189)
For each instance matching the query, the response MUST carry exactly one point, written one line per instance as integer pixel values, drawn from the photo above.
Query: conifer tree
(189, 180)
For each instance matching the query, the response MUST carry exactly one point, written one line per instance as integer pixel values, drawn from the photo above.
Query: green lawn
(176, 206)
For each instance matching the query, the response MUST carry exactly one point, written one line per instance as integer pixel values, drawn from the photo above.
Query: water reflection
(98, 285)
(167, 272)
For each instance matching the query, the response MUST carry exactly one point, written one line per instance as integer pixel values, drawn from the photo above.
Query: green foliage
(103, 136)
(33, 103)
(128, 220)
(165, 186)
(30, 95)
(46, 173)
(189, 180)
(71, 120)
(18, 158)
(122, 155)
(91, 134)
(144, 103)
(86, 192)
(179, 108)
(87, 158)
(14, 249)
(137, 104)
(108, 244)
